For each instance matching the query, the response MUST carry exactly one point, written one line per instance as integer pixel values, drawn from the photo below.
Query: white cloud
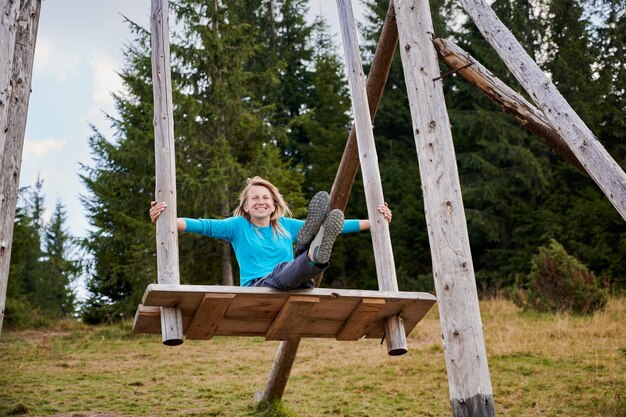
(105, 81)
(52, 59)
(42, 149)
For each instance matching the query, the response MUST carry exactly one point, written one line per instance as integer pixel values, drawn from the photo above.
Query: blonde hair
(280, 207)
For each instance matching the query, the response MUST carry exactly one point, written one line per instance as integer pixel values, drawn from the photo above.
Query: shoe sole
(327, 235)
(318, 208)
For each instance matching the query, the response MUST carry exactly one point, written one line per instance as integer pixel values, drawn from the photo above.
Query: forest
(260, 90)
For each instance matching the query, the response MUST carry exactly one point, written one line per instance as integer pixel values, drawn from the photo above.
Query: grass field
(540, 365)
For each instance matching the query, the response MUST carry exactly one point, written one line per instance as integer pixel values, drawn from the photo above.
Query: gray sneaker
(318, 208)
(322, 246)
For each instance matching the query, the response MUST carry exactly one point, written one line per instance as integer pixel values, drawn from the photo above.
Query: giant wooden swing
(202, 312)
(171, 308)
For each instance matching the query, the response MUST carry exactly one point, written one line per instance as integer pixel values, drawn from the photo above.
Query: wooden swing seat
(209, 310)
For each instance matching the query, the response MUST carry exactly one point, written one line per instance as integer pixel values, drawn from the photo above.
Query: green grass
(540, 364)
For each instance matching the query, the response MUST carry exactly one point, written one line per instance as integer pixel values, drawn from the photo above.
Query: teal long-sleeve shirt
(258, 249)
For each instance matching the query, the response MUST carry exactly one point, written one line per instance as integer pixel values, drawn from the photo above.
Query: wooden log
(292, 318)
(601, 167)
(375, 85)
(279, 374)
(9, 13)
(383, 57)
(166, 231)
(209, 315)
(453, 270)
(19, 23)
(505, 97)
(379, 228)
(364, 313)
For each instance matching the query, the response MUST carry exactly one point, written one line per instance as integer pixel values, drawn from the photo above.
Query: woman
(262, 234)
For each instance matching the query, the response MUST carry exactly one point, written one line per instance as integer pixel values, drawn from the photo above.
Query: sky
(78, 54)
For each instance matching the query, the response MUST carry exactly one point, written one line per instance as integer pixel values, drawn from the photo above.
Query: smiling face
(259, 205)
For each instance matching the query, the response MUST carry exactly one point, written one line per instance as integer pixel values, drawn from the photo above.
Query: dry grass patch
(540, 364)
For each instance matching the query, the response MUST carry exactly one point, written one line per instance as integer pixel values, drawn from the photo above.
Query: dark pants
(298, 273)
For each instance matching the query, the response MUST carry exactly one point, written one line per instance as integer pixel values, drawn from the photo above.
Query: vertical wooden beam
(588, 150)
(166, 232)
(381, 239)
(286, 354)
(19, 22)
(471, 392)
(375, 85)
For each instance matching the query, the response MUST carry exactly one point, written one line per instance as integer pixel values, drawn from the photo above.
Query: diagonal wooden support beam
(607, 174)
(292, 318)
(505, 97)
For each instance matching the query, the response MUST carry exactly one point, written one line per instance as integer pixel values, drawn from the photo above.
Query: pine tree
(121, 185)
(61, 264)
(228, 134)
(40, 281)
(21, 302)
(223, 134)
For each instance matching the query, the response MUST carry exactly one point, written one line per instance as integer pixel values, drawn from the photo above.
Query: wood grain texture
(453, 270)
(166, 231)
(209, 315)
(19, 23)
(601, 166)
(505, 97)
(257, 311)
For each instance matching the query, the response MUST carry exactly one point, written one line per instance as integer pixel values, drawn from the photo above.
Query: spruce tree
(120, 187)
(223, 134)
(61, 264)
(43, 269)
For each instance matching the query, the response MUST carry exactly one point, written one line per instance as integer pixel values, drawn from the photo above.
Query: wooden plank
(253, 310)
(147, 320)
(361, 317)
(167, 295)
(600, 165)
(208, 316)
(453, 270)
(292, 318)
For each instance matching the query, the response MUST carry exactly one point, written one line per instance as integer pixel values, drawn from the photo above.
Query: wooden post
(286, 354)
(279, 374)
(588, 150)
(19, 23)
(505, 97)
(471, 393)
(381, 240)
(375, 85)
(166, 232)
